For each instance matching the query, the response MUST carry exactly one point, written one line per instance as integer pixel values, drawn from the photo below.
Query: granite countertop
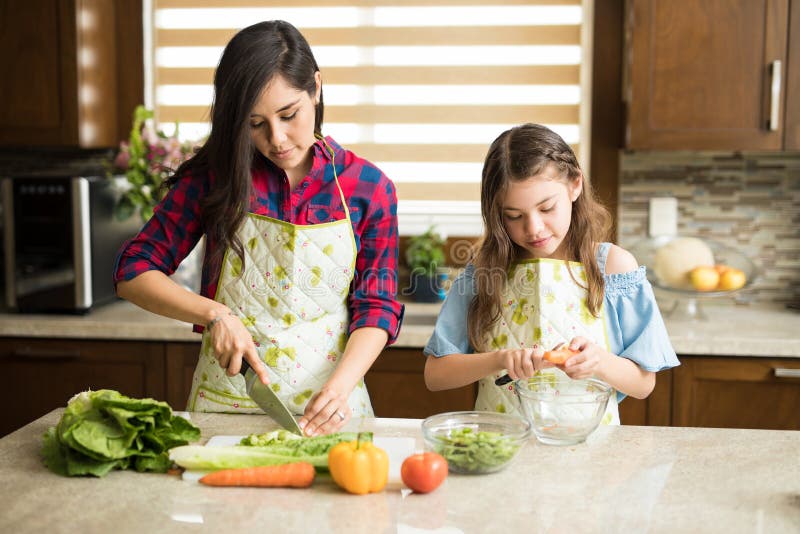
(753, 330)
(622, 479)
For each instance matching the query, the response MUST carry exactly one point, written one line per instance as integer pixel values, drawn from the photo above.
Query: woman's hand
(522, 363)
(326, 412)
(587, 362)
(231, 341)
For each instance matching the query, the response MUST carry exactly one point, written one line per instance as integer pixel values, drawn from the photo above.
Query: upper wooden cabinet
(712, 75)
(71, 75)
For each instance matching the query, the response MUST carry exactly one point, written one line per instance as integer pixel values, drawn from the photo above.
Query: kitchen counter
(623, 479)
(768, 331)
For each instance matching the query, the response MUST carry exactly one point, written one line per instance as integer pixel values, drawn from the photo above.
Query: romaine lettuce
(273, 448)
(105, 430)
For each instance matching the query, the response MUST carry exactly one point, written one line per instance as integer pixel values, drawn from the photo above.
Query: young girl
(300, 266)
(543, 275)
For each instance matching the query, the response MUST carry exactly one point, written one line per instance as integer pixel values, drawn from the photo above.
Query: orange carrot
(294, 475)
(559, 356)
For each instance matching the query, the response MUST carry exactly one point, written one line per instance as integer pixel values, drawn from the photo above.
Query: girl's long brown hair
(517, 155)
(251, 59)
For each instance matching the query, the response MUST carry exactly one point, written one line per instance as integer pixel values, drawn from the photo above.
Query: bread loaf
(674, 260)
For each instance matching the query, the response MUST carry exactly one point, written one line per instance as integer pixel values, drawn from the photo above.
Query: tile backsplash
(749, 201)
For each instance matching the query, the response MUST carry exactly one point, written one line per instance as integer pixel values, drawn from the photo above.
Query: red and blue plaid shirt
(177, 225)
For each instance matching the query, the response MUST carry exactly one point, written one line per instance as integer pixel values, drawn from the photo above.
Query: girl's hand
(587, 362)
(326, 412)
(522, 363)
(231, 341)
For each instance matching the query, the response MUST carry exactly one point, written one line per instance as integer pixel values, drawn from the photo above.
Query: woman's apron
(542, 305)
(292, 297)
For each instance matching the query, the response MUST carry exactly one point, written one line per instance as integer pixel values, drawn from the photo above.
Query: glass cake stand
(687, 302)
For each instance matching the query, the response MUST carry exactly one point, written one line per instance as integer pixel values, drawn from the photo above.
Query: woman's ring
(340, 414)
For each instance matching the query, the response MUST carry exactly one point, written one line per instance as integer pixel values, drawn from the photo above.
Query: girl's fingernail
(301, 424)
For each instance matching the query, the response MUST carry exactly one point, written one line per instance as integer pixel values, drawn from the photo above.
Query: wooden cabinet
(180, 364)
(44, 374)
(40, 375)
(72, 71)
(791, 139)
(712, 75)
(737, 393)
(655, 410)
(722, 392)
(725, 392)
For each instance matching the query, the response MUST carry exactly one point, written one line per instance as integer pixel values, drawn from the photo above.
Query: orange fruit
(704, 278)
(732, 279)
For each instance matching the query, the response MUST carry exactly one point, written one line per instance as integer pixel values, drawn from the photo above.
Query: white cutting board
(398, 450)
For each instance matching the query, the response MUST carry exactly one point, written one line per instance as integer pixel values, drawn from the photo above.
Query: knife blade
(267, 400)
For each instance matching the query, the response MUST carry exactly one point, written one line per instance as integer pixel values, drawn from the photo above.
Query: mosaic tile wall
(747, 201)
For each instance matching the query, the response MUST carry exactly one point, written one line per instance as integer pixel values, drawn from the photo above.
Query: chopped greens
(468, 451)
(272, 448)
(105, 430)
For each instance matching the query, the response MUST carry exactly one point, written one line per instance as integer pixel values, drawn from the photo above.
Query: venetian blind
(418, 87)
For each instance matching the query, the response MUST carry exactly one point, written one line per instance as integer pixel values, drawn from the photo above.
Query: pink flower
(123, 157)
(149, 136)
(149, 157)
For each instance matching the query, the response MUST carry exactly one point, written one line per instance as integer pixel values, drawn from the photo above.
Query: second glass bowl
(475, 442)
(563, 411)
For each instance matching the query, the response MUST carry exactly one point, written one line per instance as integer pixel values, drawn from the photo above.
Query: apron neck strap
(330, 151)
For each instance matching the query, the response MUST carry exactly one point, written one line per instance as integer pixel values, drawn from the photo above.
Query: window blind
(418, 87)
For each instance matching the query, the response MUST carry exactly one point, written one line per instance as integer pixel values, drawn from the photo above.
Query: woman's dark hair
(250, 61)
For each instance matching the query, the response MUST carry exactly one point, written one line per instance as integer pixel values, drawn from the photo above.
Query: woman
(299, 273)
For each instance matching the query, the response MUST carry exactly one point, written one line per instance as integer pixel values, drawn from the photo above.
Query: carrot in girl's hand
(559, 356)
(294, 475)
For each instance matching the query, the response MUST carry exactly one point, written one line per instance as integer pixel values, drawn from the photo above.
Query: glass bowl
(562, 411)
(687, 300)
(475, 442)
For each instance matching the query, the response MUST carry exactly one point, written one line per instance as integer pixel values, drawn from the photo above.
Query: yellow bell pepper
(359, 467)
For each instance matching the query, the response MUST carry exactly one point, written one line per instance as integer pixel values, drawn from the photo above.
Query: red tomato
(423, 472)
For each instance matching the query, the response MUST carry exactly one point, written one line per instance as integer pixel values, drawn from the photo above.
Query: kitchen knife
(505, 379)
(267, 400)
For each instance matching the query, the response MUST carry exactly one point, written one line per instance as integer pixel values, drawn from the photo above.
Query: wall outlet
(663, 216)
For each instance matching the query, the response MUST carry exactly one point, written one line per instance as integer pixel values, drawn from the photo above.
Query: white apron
(542, 305)
(292, 297)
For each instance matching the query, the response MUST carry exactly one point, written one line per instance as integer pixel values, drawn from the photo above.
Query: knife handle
(245, 367)
(502, 381)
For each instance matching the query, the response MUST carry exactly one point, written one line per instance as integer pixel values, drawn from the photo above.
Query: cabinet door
(791, 140)
(699, 73)
(397, 388)
(655, 410)
(39, 78)
(41, 375)
(59, 65)
(181, 361)
(737, 393)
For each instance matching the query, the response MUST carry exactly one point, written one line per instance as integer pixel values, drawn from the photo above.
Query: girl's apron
(542, 305)
(292, 297)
